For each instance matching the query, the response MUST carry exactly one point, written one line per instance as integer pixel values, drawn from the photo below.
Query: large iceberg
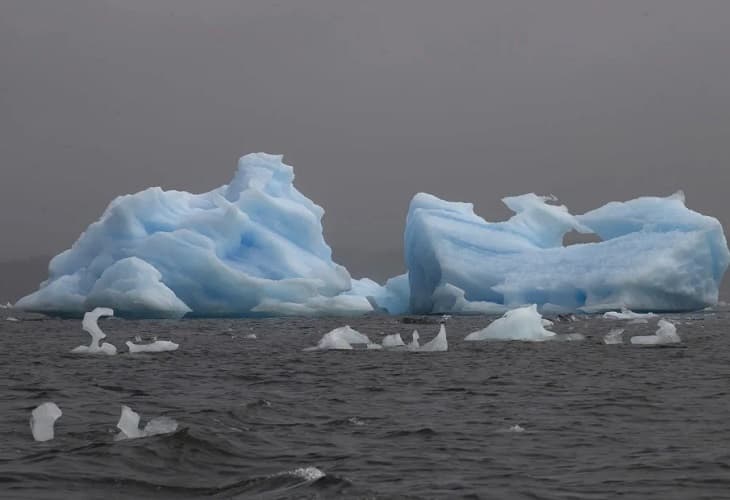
(253, 247)
(655, 255)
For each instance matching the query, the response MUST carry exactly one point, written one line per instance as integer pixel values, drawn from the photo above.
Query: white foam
(128, 425)
(90, 325)
(438, 343)
(156, 346)
(42, 420)
(614, 336)
(666, 334)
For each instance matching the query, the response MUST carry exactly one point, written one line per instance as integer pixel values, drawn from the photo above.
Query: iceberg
(655, 254)
(666, 334)
(42, 420)
(414, 345)
(522, 323)
(253, 247)
(393, 340)
(438, 344)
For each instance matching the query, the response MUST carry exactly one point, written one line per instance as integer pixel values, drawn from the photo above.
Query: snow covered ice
(128, 425)
(253, 247)
(522, 323)
(91, 326)
(666, 334)
(42, 420)
(655, 254)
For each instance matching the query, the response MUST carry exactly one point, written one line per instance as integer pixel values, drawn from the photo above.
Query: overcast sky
(370, 101)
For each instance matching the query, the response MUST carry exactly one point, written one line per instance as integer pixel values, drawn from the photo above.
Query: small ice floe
(42, 420)
(305, 473)
(393, 340)
(156, 346)
(614, 336)
(567, 337)
(340, 339)
(522, 323)
(516, 428)
(627, 314)
(251, 336)
(546, 323)
(90, 325)
(445, 318)
(374, 347)
(129, 425)
(355, 421)
(11, 318)
(6, 306)
(666, 334)
(414, 345)
(438, 343)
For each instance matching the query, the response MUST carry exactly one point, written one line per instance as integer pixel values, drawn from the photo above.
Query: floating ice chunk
(546, 322)
(11, 318)
(6, 306)
(614, 336)
(523, 323)
(90, 325)
(516, 428)
(374, 347)
(567, 337)
(393, 340)
(251, 336)
(340, 339)
(438, 343)
(42, 420)
(156, 346)
(414, 345)
(627, 314)
(305, 473)
(638, 321)
(666, 334)
(129, 425)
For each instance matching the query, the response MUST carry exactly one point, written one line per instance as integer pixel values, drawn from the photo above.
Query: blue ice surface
(655, 255)
(255, 247)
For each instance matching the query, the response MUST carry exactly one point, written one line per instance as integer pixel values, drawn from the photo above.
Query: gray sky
(370, 101)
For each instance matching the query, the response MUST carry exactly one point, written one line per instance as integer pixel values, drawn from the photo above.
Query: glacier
(253, 247)
(655, 254)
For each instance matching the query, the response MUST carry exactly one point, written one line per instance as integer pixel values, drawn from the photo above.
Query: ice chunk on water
(91, 326)
(11, 318)
(340, 339)
(655, 255)
(614, 336)
(627, 314)
(249, 248)
(516, 428)
(129, 425)
(414, 345)
(374, 347)
(522, 323)
(156, 346)
(393, 340)
(438, 343)
(666, 334)
(42, 420)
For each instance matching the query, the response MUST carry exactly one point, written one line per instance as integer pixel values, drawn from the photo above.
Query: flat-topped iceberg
(655, 255)
(253, 247)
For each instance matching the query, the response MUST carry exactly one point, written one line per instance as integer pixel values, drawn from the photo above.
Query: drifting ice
(90, 325)
(522, 323)
(614, 336)
(627, 314)
(438, 343)
(393, 340)
(666, 334)
(42, 420)
(340, 339)
(156, 346)
(255, 247)
(129, 425)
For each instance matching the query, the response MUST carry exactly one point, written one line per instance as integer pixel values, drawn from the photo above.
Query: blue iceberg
(253, 247)
(655, 254)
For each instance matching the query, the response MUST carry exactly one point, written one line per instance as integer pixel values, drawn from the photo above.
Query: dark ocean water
(261, 418)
